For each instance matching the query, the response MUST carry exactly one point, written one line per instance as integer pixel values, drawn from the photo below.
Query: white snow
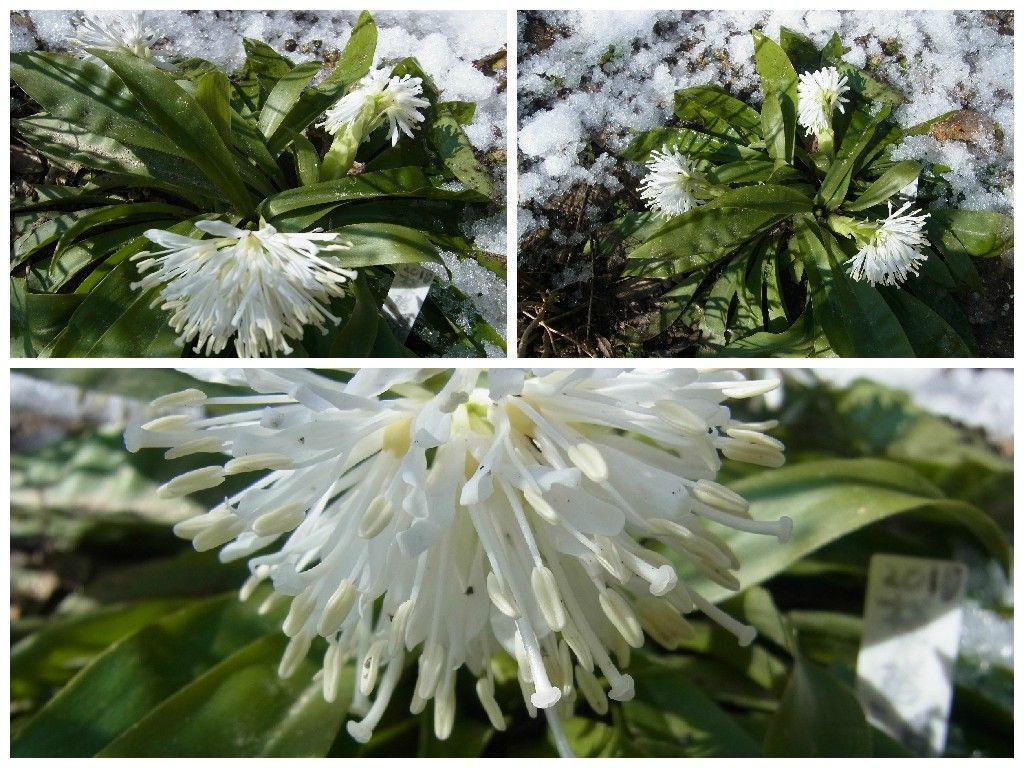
(568, 100)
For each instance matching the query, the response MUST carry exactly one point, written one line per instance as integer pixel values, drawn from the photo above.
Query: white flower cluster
(819, 94)
(673, 183)
(457, 514)
(128, 33)
(380, 98)
(894, 251)
(258, 287)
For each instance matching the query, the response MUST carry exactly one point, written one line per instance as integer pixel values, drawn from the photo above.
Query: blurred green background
(126, 642)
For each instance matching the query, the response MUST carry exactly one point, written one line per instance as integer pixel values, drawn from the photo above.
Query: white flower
(819, 93)
(463, 513)
(673, 183)
(129, 33)
(893, 252)
(260, 286)
(377, 98)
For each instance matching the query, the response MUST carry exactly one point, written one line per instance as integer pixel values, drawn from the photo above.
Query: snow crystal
(605, 75)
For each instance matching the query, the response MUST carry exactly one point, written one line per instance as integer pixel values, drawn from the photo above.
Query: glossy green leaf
(690, 142)
(381, 244)
(45, 232)
(89, 96)
(136, 675)
(356, 337)
(976, 234)
(818, 717)
(718, 110)
(778, 77)
(213, 91)
(886, 185)
(66, 144)
(68, 265)
(285, 95)
(723, 224)
(118, 214)
(773, 127)
(36, 318)
(307, 161)
(215, 716)
(182, 119)
(51, 657)
(308, 204)
(116, 321)
(676, 717)
(457, 154)
(827, 500)
(929, 334)
(801, 50)
(848, 159)
(265, 63)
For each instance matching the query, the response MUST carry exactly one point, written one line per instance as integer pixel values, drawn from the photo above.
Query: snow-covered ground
(588, 79)
(445, 43)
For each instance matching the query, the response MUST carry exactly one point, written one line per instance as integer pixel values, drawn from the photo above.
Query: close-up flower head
(456, 515)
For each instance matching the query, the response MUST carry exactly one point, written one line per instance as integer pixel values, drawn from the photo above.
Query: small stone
(966, 126)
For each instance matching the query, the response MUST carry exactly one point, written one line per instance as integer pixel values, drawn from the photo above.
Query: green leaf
(49, 658)
(354, 62)
(886, 185)
(827, 500)
(116, 321)
(975, 234)
(715, 107)
(263, 61)
(43, 233)
(929, 334)
(213, 91)
(818, 717)
(713, 230)
(136, 675)
(88, 96)
(356, 337)
(690, 142)
(801, 50)
(67, 145)
(854, 316)
(304, 205)
(36, 318)
(307, 161)
(798, 340)
(671, 710)
(773, 128)
(753, 171)
(778, 77)
(67, 266)
(213, 715)
(856, 141)
(118, 214)
(285, 95)
(462, 111)
(182, 119)
(382, 244)
(457, 154)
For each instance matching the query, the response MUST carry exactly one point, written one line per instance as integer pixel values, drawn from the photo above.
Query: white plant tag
(907, 659)
(405, 298)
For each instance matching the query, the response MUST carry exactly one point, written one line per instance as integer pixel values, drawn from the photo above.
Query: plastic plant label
(907, 659)
(405, 298)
